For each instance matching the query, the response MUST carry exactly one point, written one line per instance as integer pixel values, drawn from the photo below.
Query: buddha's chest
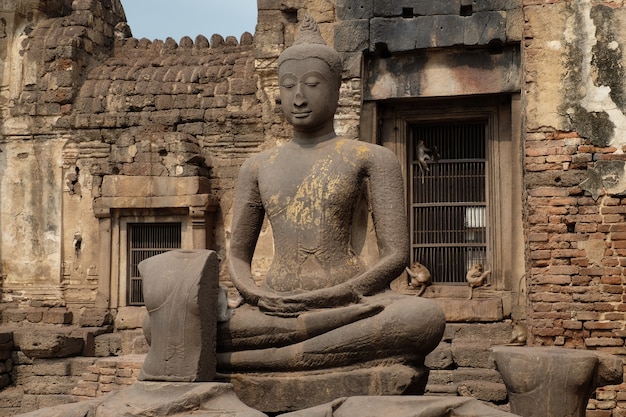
(305, 187)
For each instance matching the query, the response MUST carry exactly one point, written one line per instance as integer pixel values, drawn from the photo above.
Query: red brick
(613, 210)
(614, 316)
(613, 218)
(564, 270)
(593, 271)
(540, 254)
(568, 253)
(612, 289)
(555, 331)
(586, 227)
(572, 324)
(538, 237)
(581, 280)
(601, 325)
(611, 280)
(582, 261)
(603, 341)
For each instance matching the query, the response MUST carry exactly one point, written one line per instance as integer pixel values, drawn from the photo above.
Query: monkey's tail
(422, 290)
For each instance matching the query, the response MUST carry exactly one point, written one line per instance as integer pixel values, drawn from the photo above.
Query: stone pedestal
(556, 382)
(280, 392)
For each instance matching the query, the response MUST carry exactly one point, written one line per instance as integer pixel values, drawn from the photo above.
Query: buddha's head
(309, 74)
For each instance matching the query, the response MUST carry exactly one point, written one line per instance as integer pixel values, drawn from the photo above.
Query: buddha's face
(308, 92)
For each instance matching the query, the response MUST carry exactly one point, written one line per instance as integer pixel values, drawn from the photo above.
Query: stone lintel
(198, 202)
(152, 186)
(477, 310)
(442, 73)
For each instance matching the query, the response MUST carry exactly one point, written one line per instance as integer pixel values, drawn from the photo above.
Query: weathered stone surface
(280, 392)
(427, 406)
(348, 10)
(130, 318)
(108, 345)
(324, 303)
(48, 344)
(440, 358)
(181, 296)
(472, 71)
(95, 317)
(475, 354)
(493, 392)
(552, 381)
(148, 399)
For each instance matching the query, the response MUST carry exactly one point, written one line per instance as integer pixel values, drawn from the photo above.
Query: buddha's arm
(386, 200)
(248, 214)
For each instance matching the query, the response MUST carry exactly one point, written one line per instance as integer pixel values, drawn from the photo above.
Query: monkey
(476, 277)
(425, 154)
(419, 277)
(518, 334)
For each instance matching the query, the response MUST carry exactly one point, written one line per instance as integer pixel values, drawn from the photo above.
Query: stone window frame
(386, 122)
(129, 199)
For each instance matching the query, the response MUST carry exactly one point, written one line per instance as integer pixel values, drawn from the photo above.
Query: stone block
(57, 316)
(389, 8)
(473, 354)
(46, 401)
(44, 367)
(440, 358)
(78, 366)
(5, 381)
(461, 375)
(95, 317)
(130, 318)
(349, 9)
(485, 310)
(108, 345)
(13, 315)
(49, 344)
(47, 385)
(6, 345)
(11, 398)
(286, 392)
(352, 36)
(483, 390)
(398, 35)
(448, 30)
(481, 28)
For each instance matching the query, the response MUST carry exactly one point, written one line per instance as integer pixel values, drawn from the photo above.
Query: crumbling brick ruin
(102, 133)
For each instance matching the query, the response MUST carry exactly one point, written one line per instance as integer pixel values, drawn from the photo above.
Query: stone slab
(410, 406)
(280, 392)
(164, 399)
(459, 310)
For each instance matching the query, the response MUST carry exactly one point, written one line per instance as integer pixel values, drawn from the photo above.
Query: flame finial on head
(309, 32)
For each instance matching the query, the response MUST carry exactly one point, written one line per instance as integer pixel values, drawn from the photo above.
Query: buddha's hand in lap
(292, 305)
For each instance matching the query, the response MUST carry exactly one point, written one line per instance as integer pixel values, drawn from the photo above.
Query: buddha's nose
(299, 99)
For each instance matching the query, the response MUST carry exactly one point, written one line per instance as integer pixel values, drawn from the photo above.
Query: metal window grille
(448, 200)
(146, 240)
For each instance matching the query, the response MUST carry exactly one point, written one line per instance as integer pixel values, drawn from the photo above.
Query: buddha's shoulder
(364, 150)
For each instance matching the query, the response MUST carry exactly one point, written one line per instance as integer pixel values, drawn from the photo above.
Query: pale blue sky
(159, 19)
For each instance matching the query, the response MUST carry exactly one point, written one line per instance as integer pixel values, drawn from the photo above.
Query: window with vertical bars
(448, 201)
(146, 240)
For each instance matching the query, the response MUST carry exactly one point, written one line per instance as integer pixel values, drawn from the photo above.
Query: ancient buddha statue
(320, 306)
